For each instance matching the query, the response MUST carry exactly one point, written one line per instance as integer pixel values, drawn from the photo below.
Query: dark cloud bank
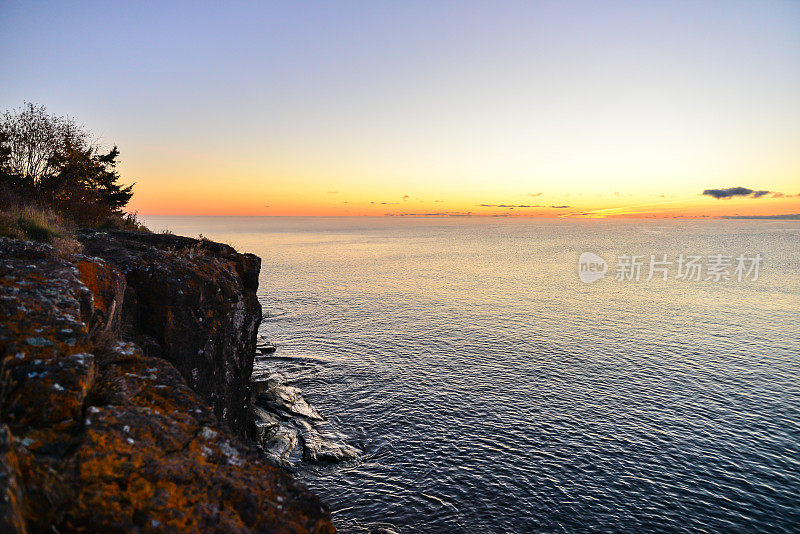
(737, 192)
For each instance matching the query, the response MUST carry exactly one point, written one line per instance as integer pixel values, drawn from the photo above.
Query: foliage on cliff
(49, 167)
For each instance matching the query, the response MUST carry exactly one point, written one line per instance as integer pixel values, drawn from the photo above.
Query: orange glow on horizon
(323, 205)
(309, 183)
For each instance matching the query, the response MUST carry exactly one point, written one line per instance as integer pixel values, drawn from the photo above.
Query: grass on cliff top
(29, 222)
(36, 223)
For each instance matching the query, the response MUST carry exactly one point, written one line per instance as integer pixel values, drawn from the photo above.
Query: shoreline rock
(282, 419)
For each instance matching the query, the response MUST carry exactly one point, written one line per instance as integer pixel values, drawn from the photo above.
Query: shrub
(123, 221)
(66, 247)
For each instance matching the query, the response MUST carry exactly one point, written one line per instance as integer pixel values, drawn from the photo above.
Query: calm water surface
(494, 392)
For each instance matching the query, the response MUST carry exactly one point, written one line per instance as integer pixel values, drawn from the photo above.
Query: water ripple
(493, 392)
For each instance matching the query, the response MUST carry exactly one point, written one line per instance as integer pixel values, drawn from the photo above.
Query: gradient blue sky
(327, 107)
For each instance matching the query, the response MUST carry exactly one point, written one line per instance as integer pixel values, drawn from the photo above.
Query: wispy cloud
(535, 194)
(510, 206)
(789, 216)
(434, 214)
(617, 211)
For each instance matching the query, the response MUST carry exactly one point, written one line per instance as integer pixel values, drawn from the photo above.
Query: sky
(549, 109)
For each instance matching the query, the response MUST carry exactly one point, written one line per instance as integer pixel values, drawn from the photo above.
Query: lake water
(493, 391)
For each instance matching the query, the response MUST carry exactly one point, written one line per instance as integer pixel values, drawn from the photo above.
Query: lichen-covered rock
(12, 518)
(97, 436)
(182, 471)
(192, 302)
(107, 287)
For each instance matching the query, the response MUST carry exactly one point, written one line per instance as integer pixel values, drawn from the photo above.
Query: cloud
(510, 206)
(333, 192)
(436, 214)
(560, 207)
(787, 216)
(438, 200)
(729, 192)
(405, 197)
(736, 192)
(535, 194)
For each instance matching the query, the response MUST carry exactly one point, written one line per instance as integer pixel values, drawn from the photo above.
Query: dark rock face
(193, 303)
(97, 435)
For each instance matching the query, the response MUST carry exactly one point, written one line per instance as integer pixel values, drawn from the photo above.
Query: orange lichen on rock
(107, 286)
(11, 498)
(96, 435)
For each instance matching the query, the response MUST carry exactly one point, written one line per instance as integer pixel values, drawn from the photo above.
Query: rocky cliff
(192, 303)
(124, 391)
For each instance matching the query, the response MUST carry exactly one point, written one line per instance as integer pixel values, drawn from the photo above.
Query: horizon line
(785, 216)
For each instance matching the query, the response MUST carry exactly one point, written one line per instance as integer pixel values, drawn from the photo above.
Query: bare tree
(33, 138)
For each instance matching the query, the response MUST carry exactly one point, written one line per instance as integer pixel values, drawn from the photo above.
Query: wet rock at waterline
(264, 423)
(322, 444)
(264, 347)
(282, 419)
(289, 399)
(280, 445)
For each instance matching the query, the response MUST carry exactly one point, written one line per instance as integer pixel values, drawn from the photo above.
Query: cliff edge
(124, 391)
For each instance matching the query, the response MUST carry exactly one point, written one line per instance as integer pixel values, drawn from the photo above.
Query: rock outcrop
(282, 419)
(193, 303)
(123, 386)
